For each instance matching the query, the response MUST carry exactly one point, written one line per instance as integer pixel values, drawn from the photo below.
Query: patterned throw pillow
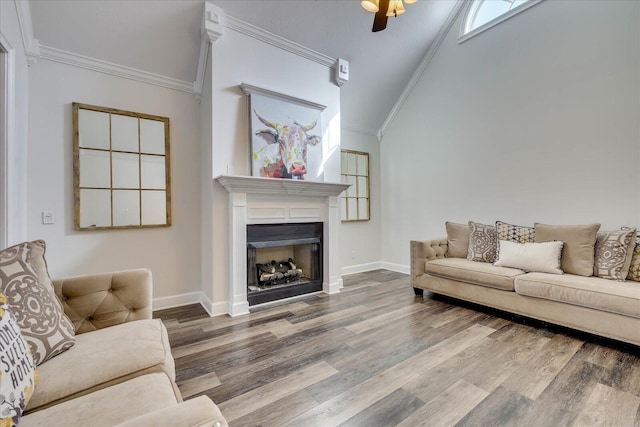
(38, 313)
(18, 373)
(515, 233)
(634, 266)
(611, 260)
(483, 243)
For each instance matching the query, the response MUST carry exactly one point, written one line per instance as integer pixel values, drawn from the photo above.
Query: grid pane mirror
(121, 174)
(355, 199)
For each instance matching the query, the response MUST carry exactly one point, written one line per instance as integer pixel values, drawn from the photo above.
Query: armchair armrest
(200, 412)
(425, 250)
(98, 301)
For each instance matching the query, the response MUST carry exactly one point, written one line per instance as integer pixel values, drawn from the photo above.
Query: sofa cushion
(613, 253)
(102, 358)
(592, 292)
(457, 240)
(17, 369)
(38, 312)
(109, 406)
(543, 257)
(579, 242)
(483, 242)
(477, 273)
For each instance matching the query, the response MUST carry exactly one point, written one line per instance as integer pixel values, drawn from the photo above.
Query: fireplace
(268, 201)
(283, 260)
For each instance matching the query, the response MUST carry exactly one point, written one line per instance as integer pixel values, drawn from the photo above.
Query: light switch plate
(48, 217)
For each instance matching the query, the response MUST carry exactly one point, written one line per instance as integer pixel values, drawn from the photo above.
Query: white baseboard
(332, 287)
(361, 268)
(213, 309)
(396, 267)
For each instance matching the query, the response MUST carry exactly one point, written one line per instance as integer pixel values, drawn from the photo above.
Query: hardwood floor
(376, 355)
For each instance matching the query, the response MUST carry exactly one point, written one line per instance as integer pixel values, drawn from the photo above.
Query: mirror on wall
(355, 199)
(121, 174)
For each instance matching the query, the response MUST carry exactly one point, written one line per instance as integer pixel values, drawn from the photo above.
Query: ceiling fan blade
(380, 20)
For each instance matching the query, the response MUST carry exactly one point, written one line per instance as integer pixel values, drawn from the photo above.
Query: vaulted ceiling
(163, 38)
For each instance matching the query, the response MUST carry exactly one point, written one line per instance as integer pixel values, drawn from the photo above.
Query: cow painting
(285, 155)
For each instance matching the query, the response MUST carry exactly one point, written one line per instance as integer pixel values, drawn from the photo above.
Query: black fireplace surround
(283, 260)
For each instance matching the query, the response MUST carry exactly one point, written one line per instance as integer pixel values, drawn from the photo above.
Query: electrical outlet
(48, 217)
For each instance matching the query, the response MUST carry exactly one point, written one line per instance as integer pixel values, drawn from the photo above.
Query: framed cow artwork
(285, 134)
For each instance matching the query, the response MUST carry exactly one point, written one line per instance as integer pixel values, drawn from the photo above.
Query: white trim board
(213, 309)
(399, 268)
(7, 114)
(433, 48)
(258, 33)
(361, 268)
(31, 44)
(81, 61)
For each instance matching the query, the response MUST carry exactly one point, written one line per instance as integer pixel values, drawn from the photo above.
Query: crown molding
(422, 67)
(258, 33)
(359, 129)
(69, 58)
(31, 44)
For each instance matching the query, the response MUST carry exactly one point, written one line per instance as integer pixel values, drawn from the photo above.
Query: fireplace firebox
(283, 260)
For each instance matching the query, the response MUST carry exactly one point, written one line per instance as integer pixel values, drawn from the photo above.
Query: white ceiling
(163, 38)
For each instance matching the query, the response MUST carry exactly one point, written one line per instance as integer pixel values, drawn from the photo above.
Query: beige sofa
(120, 370)
(591, 304)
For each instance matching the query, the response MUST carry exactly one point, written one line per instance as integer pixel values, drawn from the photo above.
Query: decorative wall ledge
(274, 186)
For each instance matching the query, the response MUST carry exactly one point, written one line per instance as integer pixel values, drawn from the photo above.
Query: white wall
(360, 242)
(17, 147)
(172, 253)
(237, 59)
(533, 120)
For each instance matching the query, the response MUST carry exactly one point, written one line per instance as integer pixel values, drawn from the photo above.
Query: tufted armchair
(120, 370)
(98, 301)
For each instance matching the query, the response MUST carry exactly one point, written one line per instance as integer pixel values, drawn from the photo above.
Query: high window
(484, 14)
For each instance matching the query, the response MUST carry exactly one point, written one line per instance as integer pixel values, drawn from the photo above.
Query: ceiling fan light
(370, 5)
(395, 8)
(410, 1)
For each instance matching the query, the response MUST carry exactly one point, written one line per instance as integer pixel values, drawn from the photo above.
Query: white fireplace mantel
(251, 201)
(257, 185)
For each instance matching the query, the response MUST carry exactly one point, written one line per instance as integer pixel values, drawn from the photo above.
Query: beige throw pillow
(38, 312)
(457, 240)
(579, 245)
(613, 253)
(541, 257)
(483, 243)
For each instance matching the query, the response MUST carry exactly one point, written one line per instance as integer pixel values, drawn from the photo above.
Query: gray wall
(535, 119)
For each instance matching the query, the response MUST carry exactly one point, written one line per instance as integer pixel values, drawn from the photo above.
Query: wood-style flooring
(377, 355)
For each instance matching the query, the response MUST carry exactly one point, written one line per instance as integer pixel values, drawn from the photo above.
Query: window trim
(492, 23)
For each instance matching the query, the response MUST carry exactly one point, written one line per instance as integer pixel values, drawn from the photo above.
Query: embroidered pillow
(612, 252)
(39, 314)
(457, 240)
(482, 242)
(515, 233)
(18, 373)
(541, 257)
(634, 267)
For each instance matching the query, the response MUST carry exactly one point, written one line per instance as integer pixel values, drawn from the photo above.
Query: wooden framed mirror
(121, 169)
(355, 200)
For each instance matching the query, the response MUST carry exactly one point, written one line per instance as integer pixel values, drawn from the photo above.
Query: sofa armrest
(200, 412)
(425, 250)
(98, 301)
